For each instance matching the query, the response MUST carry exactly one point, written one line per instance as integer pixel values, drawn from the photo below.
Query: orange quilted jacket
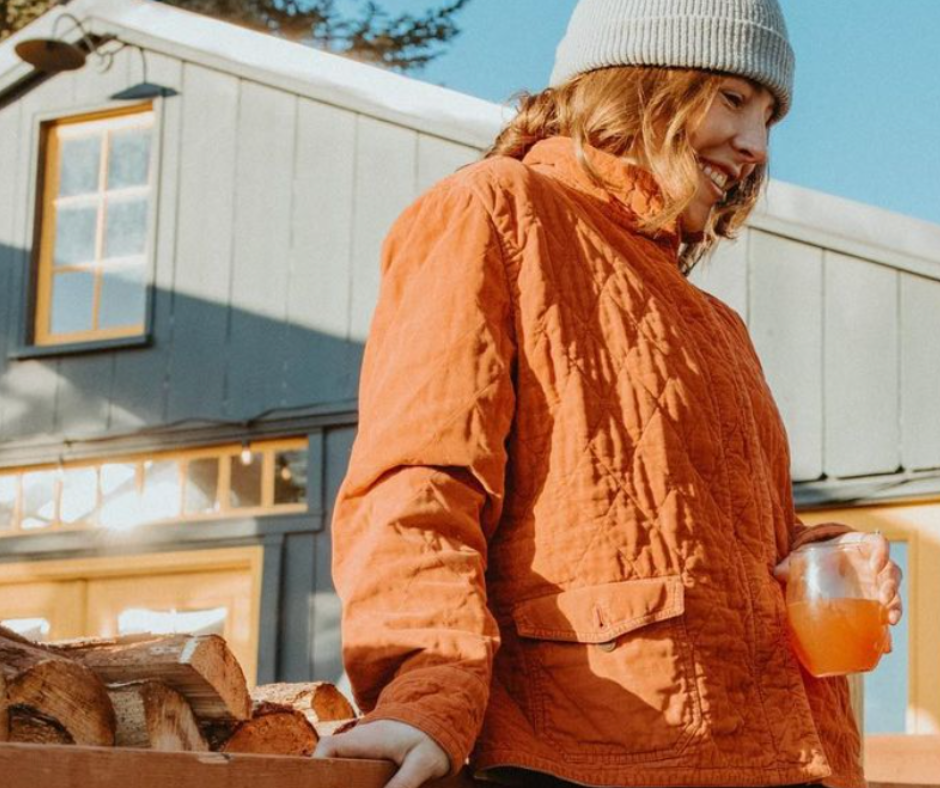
(568, 492)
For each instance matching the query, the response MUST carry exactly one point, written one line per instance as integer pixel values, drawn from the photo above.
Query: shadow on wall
(205, 361)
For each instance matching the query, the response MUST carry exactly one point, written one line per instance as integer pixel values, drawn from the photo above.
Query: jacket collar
(632, 192)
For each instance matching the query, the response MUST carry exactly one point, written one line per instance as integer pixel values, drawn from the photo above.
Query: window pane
(290, 476)
(161, 490)
(129, 161)
(246, 481)
(38, 499)
(79, 495)
(36, 629)
(121, 504)
(202, 485)
(80, 161)
(7, 501)
(125, 228)
(123, 297)
(887, 687)
(137, 620)
(73, 297)
(75, 234)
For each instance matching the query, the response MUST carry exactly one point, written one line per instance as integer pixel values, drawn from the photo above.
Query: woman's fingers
(417, 755)
(418, 767)
(360, 742)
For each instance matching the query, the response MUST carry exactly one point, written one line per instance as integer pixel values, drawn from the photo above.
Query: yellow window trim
(264, 451)
(69, 128)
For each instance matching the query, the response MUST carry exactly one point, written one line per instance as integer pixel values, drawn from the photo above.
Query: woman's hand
(887, 572)
(418, 756)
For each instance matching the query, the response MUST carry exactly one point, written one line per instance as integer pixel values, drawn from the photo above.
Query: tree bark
(274, 729)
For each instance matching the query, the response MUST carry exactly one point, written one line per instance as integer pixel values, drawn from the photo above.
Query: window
(268, 477)
(92, 274)
(887, 688)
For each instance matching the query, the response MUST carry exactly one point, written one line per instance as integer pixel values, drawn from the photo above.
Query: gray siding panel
(258, 307)
(319, 360)
(920, 372)
(439, 158)
(327, 662)
(725, 274)
(787, 327)
(862, 423)
(204, 244)
(30, 385)
(139, 394)
(9, 251)
(385, 185)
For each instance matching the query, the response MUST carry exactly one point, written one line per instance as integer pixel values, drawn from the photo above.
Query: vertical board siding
(439, 158)
(139, 392)
(30, 385)
(725, 274)
(920, 372)
(205, 231)
(787, 327)
(386, 170)
(326, 656)
(82, 401)
(10, 146)
(319, 360)
(862, 421)
(258, 307)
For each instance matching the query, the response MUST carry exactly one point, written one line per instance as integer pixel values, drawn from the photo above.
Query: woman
(568, 510)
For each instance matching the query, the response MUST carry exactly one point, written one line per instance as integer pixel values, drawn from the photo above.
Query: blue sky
(866, 119)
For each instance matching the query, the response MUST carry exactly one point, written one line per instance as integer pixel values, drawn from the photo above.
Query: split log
(320, 701)
(200, 667)
(274, 729)
(42, 684)
(150, 714)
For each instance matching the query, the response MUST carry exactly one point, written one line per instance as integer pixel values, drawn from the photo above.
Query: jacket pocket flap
(598, 614)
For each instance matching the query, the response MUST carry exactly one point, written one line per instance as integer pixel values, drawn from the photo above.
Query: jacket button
(610, 645)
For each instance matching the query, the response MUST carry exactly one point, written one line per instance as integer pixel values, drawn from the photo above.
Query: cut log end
(273, 730)
(29, 727)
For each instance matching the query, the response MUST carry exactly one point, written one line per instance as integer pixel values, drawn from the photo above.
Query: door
(200, 592)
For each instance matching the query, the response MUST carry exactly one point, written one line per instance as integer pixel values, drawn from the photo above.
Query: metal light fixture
(53, 55)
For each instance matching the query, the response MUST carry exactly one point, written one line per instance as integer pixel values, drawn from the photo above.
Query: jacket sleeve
(807, 534)
(425, 485)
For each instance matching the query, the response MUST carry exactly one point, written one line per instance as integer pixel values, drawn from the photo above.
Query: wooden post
(857, 696)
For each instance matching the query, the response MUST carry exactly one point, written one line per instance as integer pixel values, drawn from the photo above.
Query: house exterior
(190, 229)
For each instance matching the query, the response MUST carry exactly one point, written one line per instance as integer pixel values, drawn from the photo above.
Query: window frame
(32, 342)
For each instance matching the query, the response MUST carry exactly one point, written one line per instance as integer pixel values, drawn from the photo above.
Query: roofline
(806, 215)
(304, 71)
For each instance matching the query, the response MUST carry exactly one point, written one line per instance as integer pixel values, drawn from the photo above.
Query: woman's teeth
(717, 177)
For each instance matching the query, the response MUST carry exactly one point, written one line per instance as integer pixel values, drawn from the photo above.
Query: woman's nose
(751, 143)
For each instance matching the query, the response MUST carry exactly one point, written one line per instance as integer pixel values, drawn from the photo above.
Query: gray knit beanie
(743, 37)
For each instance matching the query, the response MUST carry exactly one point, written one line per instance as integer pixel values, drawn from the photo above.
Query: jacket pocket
(610, 669)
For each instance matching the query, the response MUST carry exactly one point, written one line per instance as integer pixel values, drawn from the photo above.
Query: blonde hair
(644, 114)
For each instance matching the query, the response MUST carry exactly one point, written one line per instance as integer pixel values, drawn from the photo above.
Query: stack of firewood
(163, 692)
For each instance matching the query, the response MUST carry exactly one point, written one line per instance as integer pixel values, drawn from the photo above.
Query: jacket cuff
(819, 533)
(445, 702)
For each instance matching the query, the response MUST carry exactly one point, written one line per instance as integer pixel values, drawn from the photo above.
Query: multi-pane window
(96, 196)
(264, 478)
